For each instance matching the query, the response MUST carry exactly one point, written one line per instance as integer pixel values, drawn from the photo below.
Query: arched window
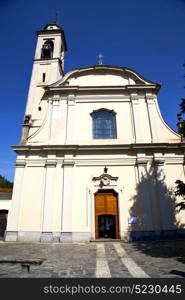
(104, 124)
(47, 50)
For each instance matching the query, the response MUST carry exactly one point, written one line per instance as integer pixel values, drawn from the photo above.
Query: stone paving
(79, 260)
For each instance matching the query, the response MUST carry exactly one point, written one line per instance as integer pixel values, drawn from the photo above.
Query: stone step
(107, 241)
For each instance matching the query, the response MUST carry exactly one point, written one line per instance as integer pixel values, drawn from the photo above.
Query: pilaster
(68, 194)
(137, 122)
(14, 212)
(54, 115)
(144, 193)
(47, 226)
(162, 195)
(151, 109)
(70, 118)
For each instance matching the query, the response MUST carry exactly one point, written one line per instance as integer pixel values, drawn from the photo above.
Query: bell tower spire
(48, 63)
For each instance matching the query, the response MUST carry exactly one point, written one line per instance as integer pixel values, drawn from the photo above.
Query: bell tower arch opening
(47, 50)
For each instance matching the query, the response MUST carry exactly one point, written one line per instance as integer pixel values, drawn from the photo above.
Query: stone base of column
(131, 236)
(29, 236)
(11, 236)
(75, 237)
(22, 236)
(50, 237)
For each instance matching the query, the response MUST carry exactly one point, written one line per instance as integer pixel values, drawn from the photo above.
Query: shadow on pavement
(164, 249)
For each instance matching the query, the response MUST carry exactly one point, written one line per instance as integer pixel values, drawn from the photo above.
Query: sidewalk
(84, 260)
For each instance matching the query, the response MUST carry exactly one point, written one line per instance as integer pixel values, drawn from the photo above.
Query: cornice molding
(68, 162)
(50, 163)
(159, 161)
(77, 147)
(20, 163)
(135, 87)
(142, 161)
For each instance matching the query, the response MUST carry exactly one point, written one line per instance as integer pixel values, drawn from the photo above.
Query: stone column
(14, 212)
(47, 227)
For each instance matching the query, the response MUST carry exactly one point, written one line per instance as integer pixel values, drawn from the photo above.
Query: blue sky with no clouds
(145, 35)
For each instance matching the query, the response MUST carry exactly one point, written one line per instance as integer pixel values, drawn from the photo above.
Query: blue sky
(146, 35)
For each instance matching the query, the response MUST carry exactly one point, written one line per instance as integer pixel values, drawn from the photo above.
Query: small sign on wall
(132, 220)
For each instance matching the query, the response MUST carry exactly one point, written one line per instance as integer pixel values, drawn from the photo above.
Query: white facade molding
(68, 196)
(20, 163)
(48, 216)
(51, 163)
(144, 194)
(134, 98)
(136, 119)
(162, 196)
(159, 162)
(15, 207)
(93, 188)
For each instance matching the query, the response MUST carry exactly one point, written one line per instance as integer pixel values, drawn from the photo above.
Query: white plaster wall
(97, 79)
(161, 131)
(5, 204)
(61, 198)
(63, 121)
(51, 129)
(175, 172)
(130, 204)
(82, 219)
(144, 126)
(14, 211)
(31, 210)
(123, 121)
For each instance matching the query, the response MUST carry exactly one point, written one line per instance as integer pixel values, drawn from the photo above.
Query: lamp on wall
(181, 126)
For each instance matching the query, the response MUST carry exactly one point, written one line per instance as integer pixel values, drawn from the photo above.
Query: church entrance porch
(106, 215)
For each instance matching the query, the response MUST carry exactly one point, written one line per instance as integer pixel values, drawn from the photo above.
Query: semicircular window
(104, 124)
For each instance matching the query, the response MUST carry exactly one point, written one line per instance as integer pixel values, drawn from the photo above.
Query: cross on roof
(100, 59)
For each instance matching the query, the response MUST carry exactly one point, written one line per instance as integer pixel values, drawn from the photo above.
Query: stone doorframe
(93, 191)
(116, 217)
(96, 185)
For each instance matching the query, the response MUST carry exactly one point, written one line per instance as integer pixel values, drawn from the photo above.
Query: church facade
(96, 159)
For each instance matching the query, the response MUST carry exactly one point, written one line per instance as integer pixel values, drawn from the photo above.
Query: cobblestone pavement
(44, 260)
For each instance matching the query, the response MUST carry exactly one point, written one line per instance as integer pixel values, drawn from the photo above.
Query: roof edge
(105, 67)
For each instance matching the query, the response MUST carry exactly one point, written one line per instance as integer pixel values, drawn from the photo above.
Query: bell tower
(48, 64)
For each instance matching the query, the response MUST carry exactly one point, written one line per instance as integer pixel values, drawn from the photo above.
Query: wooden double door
(106, 215)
